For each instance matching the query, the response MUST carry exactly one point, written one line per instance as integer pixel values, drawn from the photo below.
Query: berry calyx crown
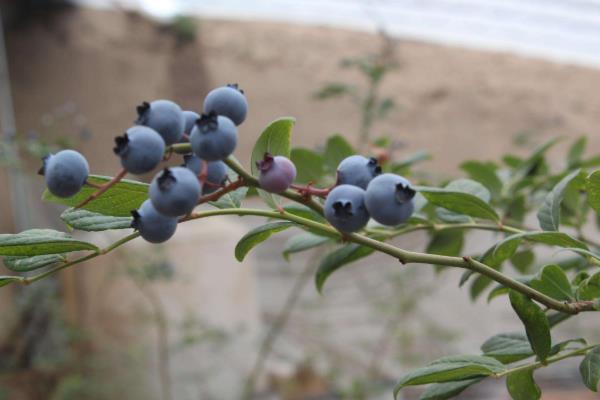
(343, 208)
(121, 143)
(142, 110)
(208, 122)
(404, 193)
(166, 180)
(266, 163)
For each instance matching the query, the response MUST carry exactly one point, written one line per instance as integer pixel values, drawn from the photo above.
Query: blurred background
(455, 79)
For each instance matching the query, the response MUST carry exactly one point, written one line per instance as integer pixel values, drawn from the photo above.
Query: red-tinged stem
(103, 188)
(309, 190)
(168, 154)
(224, 190)
(94, 185)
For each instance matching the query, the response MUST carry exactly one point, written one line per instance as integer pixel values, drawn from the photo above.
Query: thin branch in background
(162, 337)
(279, 323)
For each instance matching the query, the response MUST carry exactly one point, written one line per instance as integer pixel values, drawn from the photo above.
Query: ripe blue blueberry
(140, 148)
(175, 191)
(389, 199)
(345, 208)
(65, 172)
(213, 137)
(190, 120)
(152, 225)
(357, 170)
(165, 117)
(228, 101)
(276, 173)
(216, 172)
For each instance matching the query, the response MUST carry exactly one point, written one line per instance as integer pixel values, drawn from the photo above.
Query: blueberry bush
(353, 206)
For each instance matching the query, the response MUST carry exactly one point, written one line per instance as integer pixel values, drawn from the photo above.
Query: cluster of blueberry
(174, 191)
(361, 191)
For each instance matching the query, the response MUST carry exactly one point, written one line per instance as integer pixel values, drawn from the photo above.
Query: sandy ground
(455, 103)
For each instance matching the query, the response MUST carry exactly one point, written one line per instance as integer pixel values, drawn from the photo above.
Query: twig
(275, 330)
(103, 188)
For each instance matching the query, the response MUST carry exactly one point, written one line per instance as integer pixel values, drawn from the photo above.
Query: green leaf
(275, 139)
(591, 162)
(506, 248)
(464, 278)
(7, 280)
(309, 165)
(453, 368)
(22, 264)
(549, 213)
(478, 286)
(556, 318)
(336, 149)
(446, 243)
(583, 252)
(507, 347)
(576, 152)
(35, 242)
(444, 391)
(527, 166)
(535, 321)
(484, 173)
(589, 288)
(257, 236)
(553, 282)
(522, 260)
(337, 259)
(459, 202)
(590, 369)
(593, 191)
(522, 386)
(557, 348)
(465, 186)
(85, 220)
(303, 241)
(118, 201)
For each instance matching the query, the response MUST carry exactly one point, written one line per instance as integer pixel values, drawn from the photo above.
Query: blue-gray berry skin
(213, 137)
(357, 170)
(165, 117)
(345, 208)
(153, 226)
(193, 163)
(389, 199)
(276, 173)
(175, 191)
(65, 172)
(190, 120)
(216, 172)
(228, 101)
(140, 149)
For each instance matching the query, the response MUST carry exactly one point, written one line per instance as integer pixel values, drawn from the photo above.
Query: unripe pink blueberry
(277, 173)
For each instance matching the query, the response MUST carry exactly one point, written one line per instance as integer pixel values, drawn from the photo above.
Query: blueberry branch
(404, 256)
(103, 188)
(550, 360)
(118, 243)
